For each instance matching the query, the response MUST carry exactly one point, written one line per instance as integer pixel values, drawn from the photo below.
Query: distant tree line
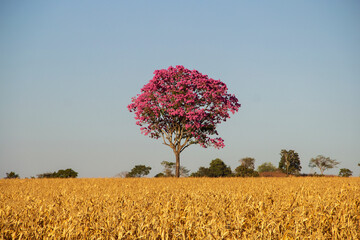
(67, 173)
(289, 164)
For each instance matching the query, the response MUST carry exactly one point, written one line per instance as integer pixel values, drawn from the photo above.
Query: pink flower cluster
(184, 104)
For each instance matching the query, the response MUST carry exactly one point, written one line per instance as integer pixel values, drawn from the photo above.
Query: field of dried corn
(186, 208)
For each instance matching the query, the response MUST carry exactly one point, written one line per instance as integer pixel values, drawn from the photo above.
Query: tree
(248, 162)
(12, 175)
(169, 168)
(242, 171)
(183, 108)
(219, 169)
(344, 172)
(246, 168)
(67, 173)
(289, 162)
(323, 163)
(139, 171)
(266, 167)
(47, 175)
(202, 172)
(184, 172)
(160, 175)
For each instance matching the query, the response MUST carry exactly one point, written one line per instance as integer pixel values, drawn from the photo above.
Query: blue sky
(68, 69)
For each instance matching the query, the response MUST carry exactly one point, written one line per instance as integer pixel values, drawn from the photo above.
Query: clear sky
(68, 69)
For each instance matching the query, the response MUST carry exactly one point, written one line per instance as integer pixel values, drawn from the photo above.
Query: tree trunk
(177, 169)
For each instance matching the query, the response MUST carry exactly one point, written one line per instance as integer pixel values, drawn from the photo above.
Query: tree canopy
(242, 171)
(323, 163)
(139, 171)
(183, 107)
(290, 162)
(345, 172)
(248, 162)
(12, 175)
(67, 173)
(266, 167)
(217, 169)
(169, 170)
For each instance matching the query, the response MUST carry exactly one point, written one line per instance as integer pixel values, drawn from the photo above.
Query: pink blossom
(183, 107)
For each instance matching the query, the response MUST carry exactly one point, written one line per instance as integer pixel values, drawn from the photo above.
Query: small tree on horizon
(11, 175)
(345, 172)
(183, 107)
(266, 167)
(289, 162)
(242, 171)
(139, 171)
(217, 169)
(202, 172)
(323, 163)
(248, 162)
(169, 168)
(67, 173)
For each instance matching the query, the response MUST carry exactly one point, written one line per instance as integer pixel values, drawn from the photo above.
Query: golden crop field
(185, 208)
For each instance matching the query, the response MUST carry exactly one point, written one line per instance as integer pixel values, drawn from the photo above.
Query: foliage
(160, 175)
(266, 167)
(289, 162)
(68, 173)
(169, 169)
(12, 175)
(139, 171)
(184, 172)
(242, 171)
(202, 172)
(323, 163)
(248, 162)
(183, 107)
(186, 208)
(345, 172)
(217, 169)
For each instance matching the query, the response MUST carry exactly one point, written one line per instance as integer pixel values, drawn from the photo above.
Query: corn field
(185, 208)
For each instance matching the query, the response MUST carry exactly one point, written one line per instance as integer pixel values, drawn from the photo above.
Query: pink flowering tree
(183, 107)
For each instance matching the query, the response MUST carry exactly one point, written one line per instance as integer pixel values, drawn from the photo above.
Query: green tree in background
(242, 171)
(266, 167)
(246, 168)
(217, 169)
(344, 172)
(202, 172)
(12, 175)
(323, 163)
(139, 171)
(169, 170)
(67, 173)
(248, 162)
(289, 162)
